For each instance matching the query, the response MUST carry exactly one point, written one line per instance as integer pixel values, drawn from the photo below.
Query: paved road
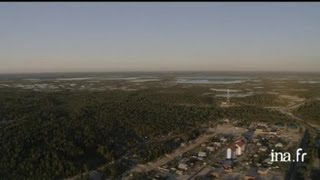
(286, 111)
(294, 166)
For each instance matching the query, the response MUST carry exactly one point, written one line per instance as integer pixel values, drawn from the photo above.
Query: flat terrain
(118, 123)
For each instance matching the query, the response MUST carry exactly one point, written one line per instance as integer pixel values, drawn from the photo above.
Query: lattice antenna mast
(228, 96)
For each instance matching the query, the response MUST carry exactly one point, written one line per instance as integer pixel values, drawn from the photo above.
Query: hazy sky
(48, 37)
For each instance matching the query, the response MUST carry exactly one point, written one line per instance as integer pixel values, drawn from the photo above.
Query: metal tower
(228, 96)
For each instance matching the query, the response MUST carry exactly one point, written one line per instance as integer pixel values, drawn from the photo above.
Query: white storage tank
(229, 153)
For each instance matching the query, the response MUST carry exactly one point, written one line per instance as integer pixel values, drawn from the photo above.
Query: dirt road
(169, 157)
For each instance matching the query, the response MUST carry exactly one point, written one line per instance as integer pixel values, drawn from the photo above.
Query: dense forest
(310, 111)
(61, 134)
(260, 100)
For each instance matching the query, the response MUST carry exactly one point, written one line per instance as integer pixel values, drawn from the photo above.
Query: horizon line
(166, 71)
